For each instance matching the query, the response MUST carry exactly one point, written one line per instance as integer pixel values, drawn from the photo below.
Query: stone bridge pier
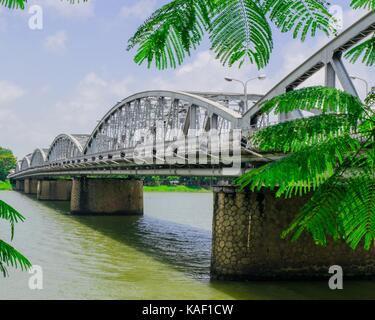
(247, 244)
(54, 190)
(19, 185)
(107, 196)
(30, 186)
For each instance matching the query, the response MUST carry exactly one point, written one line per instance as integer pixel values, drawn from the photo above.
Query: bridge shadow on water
(185, 248)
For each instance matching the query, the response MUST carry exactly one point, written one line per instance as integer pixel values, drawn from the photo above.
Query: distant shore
(5, 186)
(175, 189)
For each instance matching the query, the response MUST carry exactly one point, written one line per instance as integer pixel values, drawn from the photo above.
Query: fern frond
(357, 211)
(319, 98)
(10, 214)
(343, 208)
(240, 31)
(303, 17)
(296, 135)
(13, 4)
(363, 4)
(319, 217)
(170, 34)
(303, 171)
(10, 257)
(365, 49)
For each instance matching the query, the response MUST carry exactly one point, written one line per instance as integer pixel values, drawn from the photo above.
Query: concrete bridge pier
(54, 190)
(107, 196)
(31, 186)
(247, 245)
(19, 185)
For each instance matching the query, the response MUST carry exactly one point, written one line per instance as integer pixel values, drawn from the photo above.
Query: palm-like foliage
(332, 154)
(172, 32)
(239, 30)
(13, 4)
(367, 48)
(365, 4)
(10, 257)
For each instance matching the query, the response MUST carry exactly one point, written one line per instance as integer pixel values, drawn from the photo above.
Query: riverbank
(175, 189)
(5, 185)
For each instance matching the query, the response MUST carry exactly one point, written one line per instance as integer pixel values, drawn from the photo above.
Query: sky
(66, 76)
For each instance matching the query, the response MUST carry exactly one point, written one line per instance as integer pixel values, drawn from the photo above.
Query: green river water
(163, 255)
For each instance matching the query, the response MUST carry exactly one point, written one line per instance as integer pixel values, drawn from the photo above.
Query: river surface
(163, 255)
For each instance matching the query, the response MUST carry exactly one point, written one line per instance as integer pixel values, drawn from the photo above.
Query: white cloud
(94, 96)
(9, 92)
(141, 9)
(56, 42)
(205, 73)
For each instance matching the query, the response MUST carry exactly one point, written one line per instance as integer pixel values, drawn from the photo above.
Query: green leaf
(170, 34)
(240, 31)
(296, 135)
(316, 98)
(10, 257)
(8, 213)
(366, 50)
(363, 4)
(303, 171)
(302, 17)
(357, 211)
(13, 4)
(319, 217)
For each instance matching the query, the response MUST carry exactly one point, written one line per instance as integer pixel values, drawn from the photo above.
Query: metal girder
(38, 158)
(25, 163)
(330, 76)
(66, 146)
(342, 74)
(329, 54)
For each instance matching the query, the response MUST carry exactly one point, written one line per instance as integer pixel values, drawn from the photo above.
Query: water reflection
(186, 248)
(163, 255)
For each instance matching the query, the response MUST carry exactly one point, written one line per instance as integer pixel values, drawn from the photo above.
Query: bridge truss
(109, 149)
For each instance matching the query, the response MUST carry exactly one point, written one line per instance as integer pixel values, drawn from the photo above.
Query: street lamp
(259, 77)
(363, 80)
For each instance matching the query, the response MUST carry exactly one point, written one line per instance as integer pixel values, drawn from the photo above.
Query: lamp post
(364, 81)
(260, 77)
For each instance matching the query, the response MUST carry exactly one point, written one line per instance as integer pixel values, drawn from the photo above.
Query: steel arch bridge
(109, 149)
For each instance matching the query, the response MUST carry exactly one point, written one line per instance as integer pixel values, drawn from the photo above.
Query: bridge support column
(107, 196)
(31, 186)
(247, 245)
(19, 185)
(54, 190)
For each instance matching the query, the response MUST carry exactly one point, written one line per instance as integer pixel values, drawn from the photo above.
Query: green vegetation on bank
(5, 185)
(175, 189)
(7, 162)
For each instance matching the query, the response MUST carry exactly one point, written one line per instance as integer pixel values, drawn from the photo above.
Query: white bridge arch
(174, 110)
(65, 147)
(25, 163)
(38, 158)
